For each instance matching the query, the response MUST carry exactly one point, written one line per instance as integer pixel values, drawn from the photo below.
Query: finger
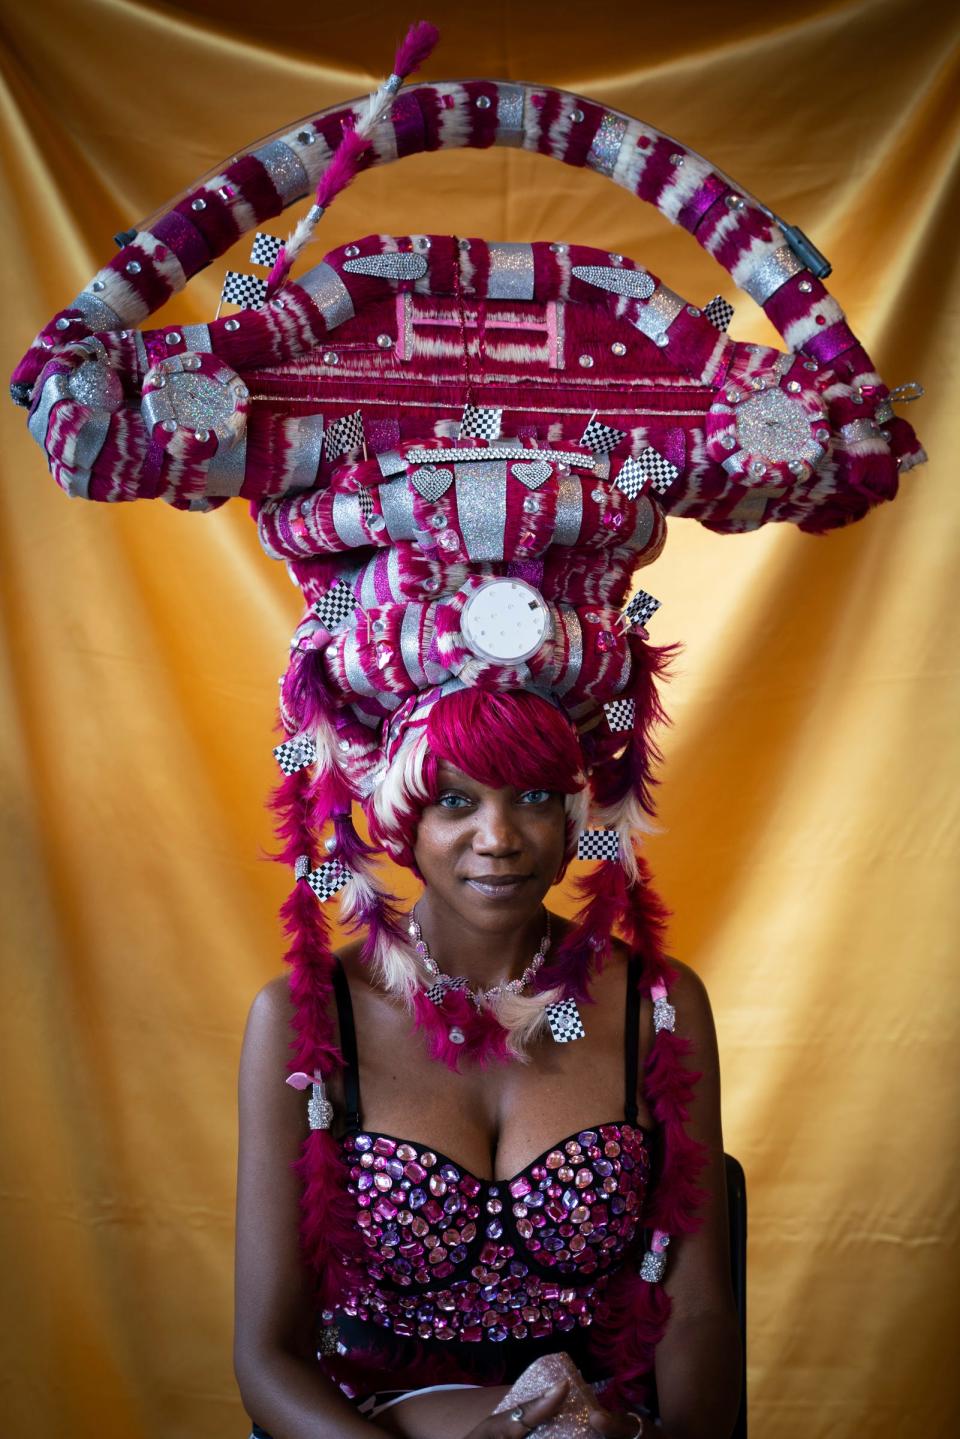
(525, 1417)
(616, 1426)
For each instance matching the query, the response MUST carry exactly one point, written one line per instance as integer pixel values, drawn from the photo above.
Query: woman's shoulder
(272, 1007)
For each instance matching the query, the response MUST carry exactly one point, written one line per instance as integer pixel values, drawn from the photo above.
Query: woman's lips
(493, 888)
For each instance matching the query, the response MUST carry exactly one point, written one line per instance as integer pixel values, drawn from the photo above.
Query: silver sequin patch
(96, 386)
(774, 427)
(511, 272)
(654, 318)
(226, 470)
(510, 99)
(774, 270)
(482, 507)
(605, 150)
(569, 511)
(328, 293)
(97, 313)
(637, 284)
(396, 506)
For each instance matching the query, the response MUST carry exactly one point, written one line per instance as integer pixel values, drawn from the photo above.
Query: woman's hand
(619, 1426)
(523, 1419)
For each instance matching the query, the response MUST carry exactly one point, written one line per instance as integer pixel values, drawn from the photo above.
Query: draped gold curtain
(808, 798)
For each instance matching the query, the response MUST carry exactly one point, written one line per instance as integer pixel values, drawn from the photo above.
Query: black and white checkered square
(295, 753)
(333, 608)
(365, 502)
(265, 249)
(247, 291)
(598, 844)
(436, 992)
(327, 878)
(564, 1021)
(344, 435)
(480, 423)
(641, 608)
(600, 438)
(719, 312)
(631, 478)
(621, 715)
(660, 471)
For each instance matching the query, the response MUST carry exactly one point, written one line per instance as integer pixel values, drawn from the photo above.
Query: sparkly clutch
(573, 1420)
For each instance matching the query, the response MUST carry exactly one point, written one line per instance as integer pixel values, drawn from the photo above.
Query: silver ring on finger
(516, 1414)
(639, 1428)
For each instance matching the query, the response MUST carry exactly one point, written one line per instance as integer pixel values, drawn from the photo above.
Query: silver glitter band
(410, 645)
(328, 293)
(482, 507)
(76, 483)
(654, 318)
(226, 469)
(396, 504)
(91, 440)
(346, 521)
(54, 390)
(855, 432)
(636, 284)
(643, 528)
(605, 150)
(143, 359)
(510, 104)
(97, 313)
(309, 447)
(511, 271)
(356, 678)
(197, 338)
(156, 407)
(574, 633)
(391, 462)
(772, 271)
(569, 516)
(285, 169)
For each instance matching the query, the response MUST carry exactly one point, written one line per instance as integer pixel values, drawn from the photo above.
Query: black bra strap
(348, 1048)
(631, 1039)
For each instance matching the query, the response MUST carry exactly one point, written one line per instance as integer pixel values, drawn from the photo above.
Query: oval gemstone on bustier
(451, 1256)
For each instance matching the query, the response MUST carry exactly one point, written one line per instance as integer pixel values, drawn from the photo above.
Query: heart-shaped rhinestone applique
(431, 482)
(533, 473)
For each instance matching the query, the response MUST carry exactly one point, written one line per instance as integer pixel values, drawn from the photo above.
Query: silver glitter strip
(226, 469)
(368, 584)
(772, 271)
(410, 645)
(396, 504)
(346, 520)
(97, 313)
(197, 338)
(356, 678)
(511, 271)
(155, 408)
(391, 462)
(856, 431)
(285, 169)
(643, 528)
(394, 583)
(309, 448)
(328, 293)
(736, 464)
(571, 628)
(54, 390)
(419, 455)
(569, 511)
(605, 150)
(76, 483)
(143, 359)
(91, 440)
(660, 311)
(510, 103)
(395, 265)
(482, 507)
(636, 284)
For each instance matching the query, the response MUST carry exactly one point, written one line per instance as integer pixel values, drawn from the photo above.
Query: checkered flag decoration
(438, 989)
(719, 312)
(601, 439)
(342, 436)
(564, 1021)
(641, 608)
(480, 423)
(295, 753)
(598, 844)
(327, 879)
(265, 249)
(247, 291)
(621, 715)
(336, 605)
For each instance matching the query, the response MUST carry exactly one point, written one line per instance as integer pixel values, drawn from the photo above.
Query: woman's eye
(451, 800)
(536, 796)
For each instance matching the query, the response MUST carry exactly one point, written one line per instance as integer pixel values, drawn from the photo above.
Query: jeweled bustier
(452, 1256)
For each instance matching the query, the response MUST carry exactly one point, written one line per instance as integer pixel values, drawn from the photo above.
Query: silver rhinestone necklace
(479, 996)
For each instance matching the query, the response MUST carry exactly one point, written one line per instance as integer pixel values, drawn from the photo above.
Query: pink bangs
(503, 738)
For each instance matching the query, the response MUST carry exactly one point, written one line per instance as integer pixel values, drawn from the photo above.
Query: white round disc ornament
(505, 621)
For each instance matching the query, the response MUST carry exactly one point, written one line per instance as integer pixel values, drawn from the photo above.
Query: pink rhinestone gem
(606, 641)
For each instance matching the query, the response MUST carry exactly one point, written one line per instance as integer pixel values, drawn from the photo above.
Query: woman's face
(490, 855)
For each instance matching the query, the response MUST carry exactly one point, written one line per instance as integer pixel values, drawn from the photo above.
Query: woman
(489, 825)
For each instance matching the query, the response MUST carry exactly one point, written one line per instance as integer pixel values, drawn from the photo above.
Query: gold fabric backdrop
(808, 804)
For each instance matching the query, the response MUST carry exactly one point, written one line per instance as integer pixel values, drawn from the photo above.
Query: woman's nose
(496, 831)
